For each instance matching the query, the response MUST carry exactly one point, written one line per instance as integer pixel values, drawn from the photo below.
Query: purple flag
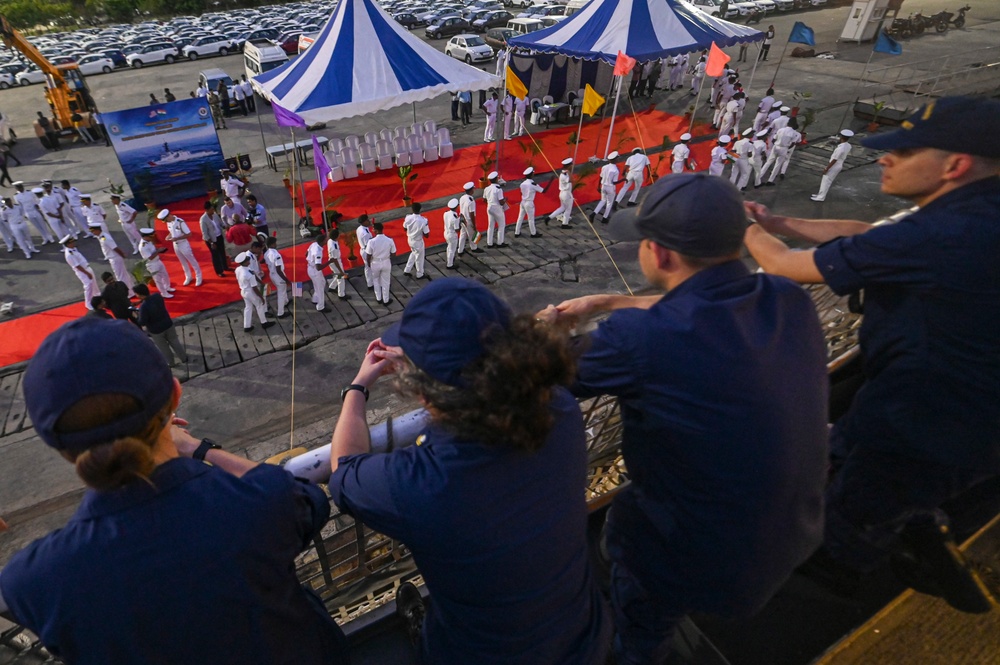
(287, 118)
(322, 166)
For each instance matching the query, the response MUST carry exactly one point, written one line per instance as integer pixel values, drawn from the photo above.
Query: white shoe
(186, 282)
(197, 283)
(171, 289)
(167, 295)
(815, 197)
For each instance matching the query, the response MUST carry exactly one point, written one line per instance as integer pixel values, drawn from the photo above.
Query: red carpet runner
(376, 193)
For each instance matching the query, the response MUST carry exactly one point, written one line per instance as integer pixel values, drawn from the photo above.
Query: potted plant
(140, 272)
(877, 108)
(664, 154)
(286, 178)
(806, 115)
(487, 165)
(406, 175)
(582, 173)
(531, 149)
(331, 215)
(351, 241)
(689, 112)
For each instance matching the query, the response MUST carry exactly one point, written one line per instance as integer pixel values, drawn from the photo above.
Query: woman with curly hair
(490, 500)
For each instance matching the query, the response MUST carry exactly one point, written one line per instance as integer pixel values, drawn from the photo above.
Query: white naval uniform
(76, 216)
(381, 247)
(19, 229)
(520, 109)
(364, 235)
(780, 151)
(154, 265)
(741, 165)
(696, 78)
(314, 259)
(758, 155)
(679, 157)
(108, 246)
(50, 205)
(274, 260)
(94, 214)
(837, 160)
(339, 279)
(677, 72)
(527, 207)
(416, 228)
(609, 176)
(729, 117)
(508, 110)
(763, 109)
(565, 209)
(452, 226)
(8, 237)
(231, 186)
(491, 119)
(468, 233)
(251, 299)
(496, 216)
(718, 163)
(77, 260)
(29, 204)
(182, 248)
(126, 217)
(635, 172)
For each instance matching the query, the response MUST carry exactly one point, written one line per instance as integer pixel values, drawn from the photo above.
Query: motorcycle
(941, 20)
(918, 22)
(960, 20)
(901, 28)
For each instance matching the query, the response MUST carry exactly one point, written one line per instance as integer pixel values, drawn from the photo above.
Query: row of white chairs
(371, 138)
(405, 150)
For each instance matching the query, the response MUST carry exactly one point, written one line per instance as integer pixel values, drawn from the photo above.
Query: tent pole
(754, 70)
(604, 113)
(260, 125)
(322, 201)
(611, 129)
(696, 100)
(414, 104)
(579, 132)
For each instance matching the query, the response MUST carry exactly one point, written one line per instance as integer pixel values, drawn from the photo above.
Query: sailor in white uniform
(526, 209)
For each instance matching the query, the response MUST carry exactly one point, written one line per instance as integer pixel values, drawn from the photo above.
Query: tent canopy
(642, 29)
(364, 61)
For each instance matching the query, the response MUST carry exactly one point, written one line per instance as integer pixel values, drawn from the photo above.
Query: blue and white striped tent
(642, 29)
(364, 61)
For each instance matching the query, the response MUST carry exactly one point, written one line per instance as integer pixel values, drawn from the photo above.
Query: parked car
(210, 45)
(262, 33)
(95, 64)
(289, 41)
(768, 6)
(30, 75)
(549, 10)
(117, 57)
(785, 5)
(496, 38)
(470, 48)
(152, 54)
(518, 3)
(451, 25)
(6, 81)
(13, 68)
(493, 19)
(714, 8)
(409, 21)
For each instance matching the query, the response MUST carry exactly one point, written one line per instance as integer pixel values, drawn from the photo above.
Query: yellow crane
(65, 90)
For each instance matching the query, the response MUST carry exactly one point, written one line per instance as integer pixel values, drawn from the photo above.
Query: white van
(524, 26)
(261, 55)
(573, 6)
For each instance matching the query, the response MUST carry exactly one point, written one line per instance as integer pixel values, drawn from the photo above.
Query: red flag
(717, 60)
(624, 64)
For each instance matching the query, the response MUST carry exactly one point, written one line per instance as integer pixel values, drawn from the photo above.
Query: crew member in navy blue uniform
(925, 425)
(490, 500)
(168, 559)
(723, 390)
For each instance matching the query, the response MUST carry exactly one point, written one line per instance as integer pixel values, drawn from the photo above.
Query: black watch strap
(203, 448)
(354, 386)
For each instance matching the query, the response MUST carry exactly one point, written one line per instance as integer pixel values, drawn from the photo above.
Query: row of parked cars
(735, 10)
(102, 50)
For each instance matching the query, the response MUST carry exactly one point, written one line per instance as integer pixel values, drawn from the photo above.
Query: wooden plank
(362, 299)
(290, 324)
(243, 340)
(262, 338)
(210, 349)
(8, 389)
(496, 262)
(227, 341)
(320, 320)
(17, 413)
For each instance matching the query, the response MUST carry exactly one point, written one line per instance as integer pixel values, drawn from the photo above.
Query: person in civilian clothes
(381, 248)
(117, 296)
(257, 214)
(211, 233)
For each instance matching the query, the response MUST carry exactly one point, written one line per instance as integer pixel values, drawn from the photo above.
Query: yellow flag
(514, 85)
(591, 100)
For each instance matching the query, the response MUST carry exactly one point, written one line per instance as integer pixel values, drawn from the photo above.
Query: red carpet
(379, 192)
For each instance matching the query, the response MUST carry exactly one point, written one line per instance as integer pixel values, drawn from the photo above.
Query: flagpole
(780, 60)
(604, 113)
(697, 99)
(498, 126)
(322, 198)
(579, 132)
(858, 86)
(614, 111)
(753, 71)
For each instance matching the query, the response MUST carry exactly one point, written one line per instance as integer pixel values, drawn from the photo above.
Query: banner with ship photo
(168, 152)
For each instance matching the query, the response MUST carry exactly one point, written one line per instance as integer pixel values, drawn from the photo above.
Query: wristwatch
(203, 448)
(354, 386)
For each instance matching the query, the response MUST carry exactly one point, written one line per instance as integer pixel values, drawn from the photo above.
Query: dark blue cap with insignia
(955, 124)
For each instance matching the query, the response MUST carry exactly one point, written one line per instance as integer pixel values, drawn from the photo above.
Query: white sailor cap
(747, 132)
(762, 132)
(453, 204)
(685, 137)
(724, 139)
(785, 109)
(163, 214)
(115, 196)
(146, 231)
(17, 183)
(493, 175)
(86, 196)
(94, 225)
(636, 149)
(46, 182)
(528, 171)
(241, 257)
(777, 105)
(846, 133)
(612, 155)
(65, 239)
(261, 236)
(37, 190)
(567, 161)
(469, 185)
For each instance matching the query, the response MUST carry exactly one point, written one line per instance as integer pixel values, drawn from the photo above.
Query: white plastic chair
(416, 150)
(385, 135)
(536, 117)
(401, 132)
(429, 142)
(445, 148)
(417, 128)
(383, 154)
(371, 138)
(349, 162)
(336, 173)
(548, 99)
(367, 155)
(336, 145)
(352, 141)
(332, 158)
(430, 126)
(402, 151)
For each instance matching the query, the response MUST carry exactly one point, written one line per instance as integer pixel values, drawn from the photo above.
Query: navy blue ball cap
(88, 357)
(442, 326)
(955, 124)
(695, 214)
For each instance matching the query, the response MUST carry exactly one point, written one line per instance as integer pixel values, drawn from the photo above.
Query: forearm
(351, 436)
(776, 258)
(817, 230)
(186, 444)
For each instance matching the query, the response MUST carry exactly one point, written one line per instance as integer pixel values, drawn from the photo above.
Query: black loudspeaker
(232, 164)
(245, 163)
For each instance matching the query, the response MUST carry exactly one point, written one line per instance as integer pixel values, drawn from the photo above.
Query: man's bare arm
(813, 230)
(777, 258)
